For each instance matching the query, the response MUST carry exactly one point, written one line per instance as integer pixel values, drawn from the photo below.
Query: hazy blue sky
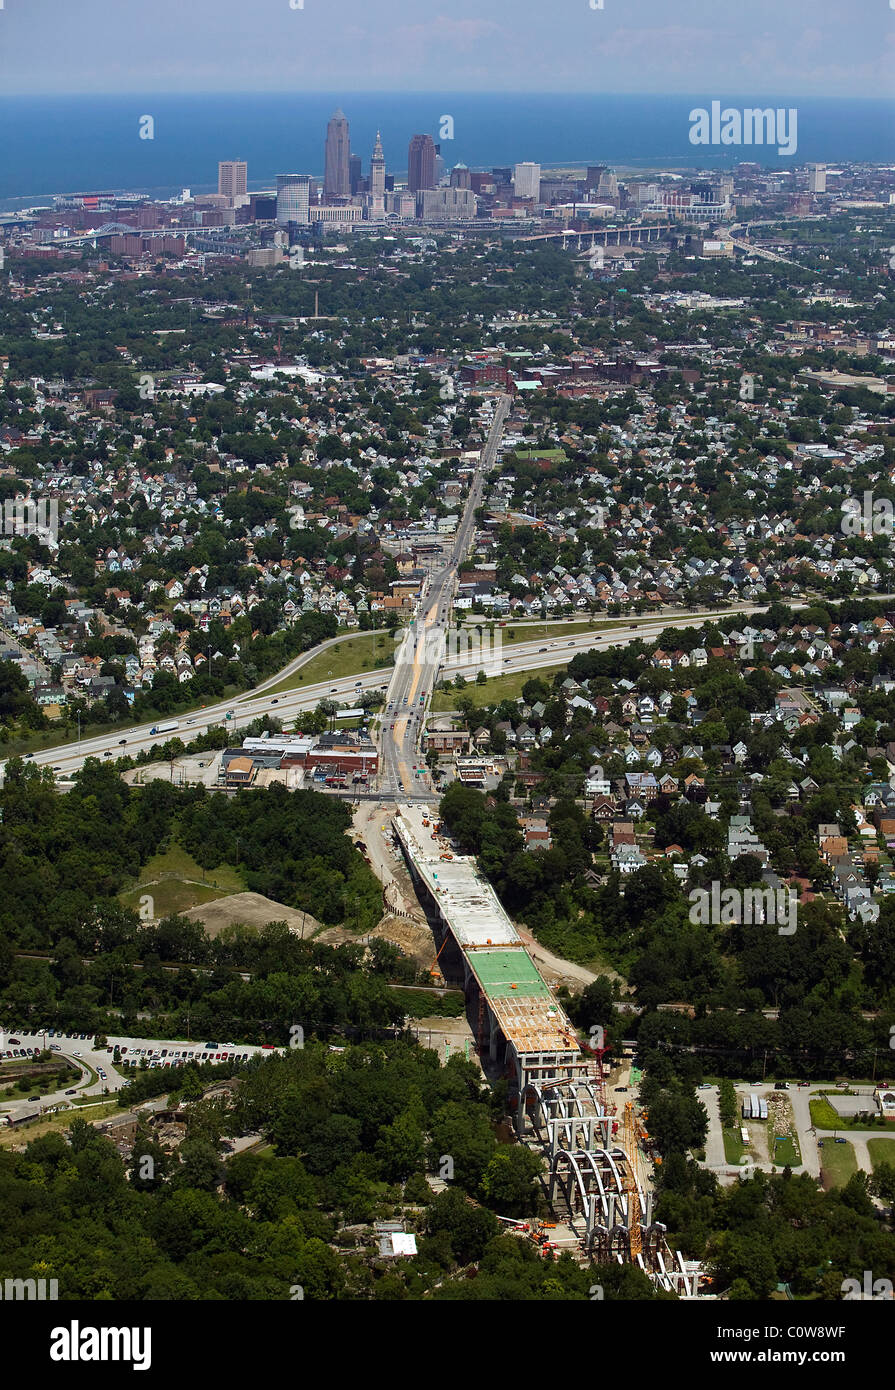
(760, 47)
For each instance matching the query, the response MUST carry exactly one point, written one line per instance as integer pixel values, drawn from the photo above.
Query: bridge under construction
(558, 1090)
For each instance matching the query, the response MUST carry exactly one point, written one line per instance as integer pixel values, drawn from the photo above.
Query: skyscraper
(336, 177)
(817, 178)
(355, 173)
(293, 197)
(527, 181)
(377, 178)
(421, 163)
(232, 177)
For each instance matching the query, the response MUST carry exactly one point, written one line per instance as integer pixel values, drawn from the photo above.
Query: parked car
(841, 1141)
(71, 1092)
(781, 1085)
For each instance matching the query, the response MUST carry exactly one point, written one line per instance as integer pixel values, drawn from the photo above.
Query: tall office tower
(608, 185)
(337, 177)
(232, 177)
(377, 178)
(355, 173)
(460, 177)
(421, 163)
(293, 199)
(440, 166)
(594, 173)
(527, 181)
(817, 178)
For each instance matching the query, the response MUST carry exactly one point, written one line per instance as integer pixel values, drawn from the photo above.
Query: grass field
(495, 689)
(784, 1152)
(823, 1116)
(734, 1148)
(837, 1163)
(351, 657)
(175, 882)
(881, 1150)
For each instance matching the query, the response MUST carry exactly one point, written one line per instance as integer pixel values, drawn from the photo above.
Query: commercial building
(377, 179)
(337, 157)
(232, 178)
(446, 205)
(293, 198)
(527, 181)
(421, 163)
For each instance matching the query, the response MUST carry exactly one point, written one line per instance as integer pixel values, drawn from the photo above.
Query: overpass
(604, 236)
(525, 1035)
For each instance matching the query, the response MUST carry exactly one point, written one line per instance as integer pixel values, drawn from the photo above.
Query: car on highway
(358, 684)
(334, 690)
(122, 742)
(107, 754)
(29, 755)
(541, 649)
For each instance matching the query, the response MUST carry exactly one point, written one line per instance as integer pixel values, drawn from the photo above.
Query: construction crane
(435, 972)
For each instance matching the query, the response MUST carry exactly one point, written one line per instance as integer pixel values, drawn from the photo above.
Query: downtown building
(421, 163)
(337, 158)
(232, 178)
(293, 199)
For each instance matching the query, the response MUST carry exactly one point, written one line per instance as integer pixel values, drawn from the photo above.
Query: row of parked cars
(176, 1057)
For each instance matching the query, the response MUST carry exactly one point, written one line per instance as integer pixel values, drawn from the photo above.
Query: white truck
(167, 728)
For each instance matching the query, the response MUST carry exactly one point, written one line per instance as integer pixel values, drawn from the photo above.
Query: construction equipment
(435, 972)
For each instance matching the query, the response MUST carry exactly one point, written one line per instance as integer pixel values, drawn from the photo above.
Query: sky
(788, 48)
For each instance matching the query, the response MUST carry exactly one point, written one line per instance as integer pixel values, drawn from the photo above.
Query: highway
(423, 650)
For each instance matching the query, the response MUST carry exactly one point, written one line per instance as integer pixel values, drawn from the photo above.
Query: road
(423, 649)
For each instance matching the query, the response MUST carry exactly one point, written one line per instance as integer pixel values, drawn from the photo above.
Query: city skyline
(808, 47)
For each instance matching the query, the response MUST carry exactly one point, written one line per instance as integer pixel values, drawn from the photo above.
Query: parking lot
(100, 1073)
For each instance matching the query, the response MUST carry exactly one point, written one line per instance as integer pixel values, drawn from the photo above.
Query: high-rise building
(232, 177)
(355, 173)
(817, 178)
(594, 173)
(293, 198)
(421, 163)
(336, 176)
(377, 178)
(527, 181)
(608, 186)
(460, 177)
